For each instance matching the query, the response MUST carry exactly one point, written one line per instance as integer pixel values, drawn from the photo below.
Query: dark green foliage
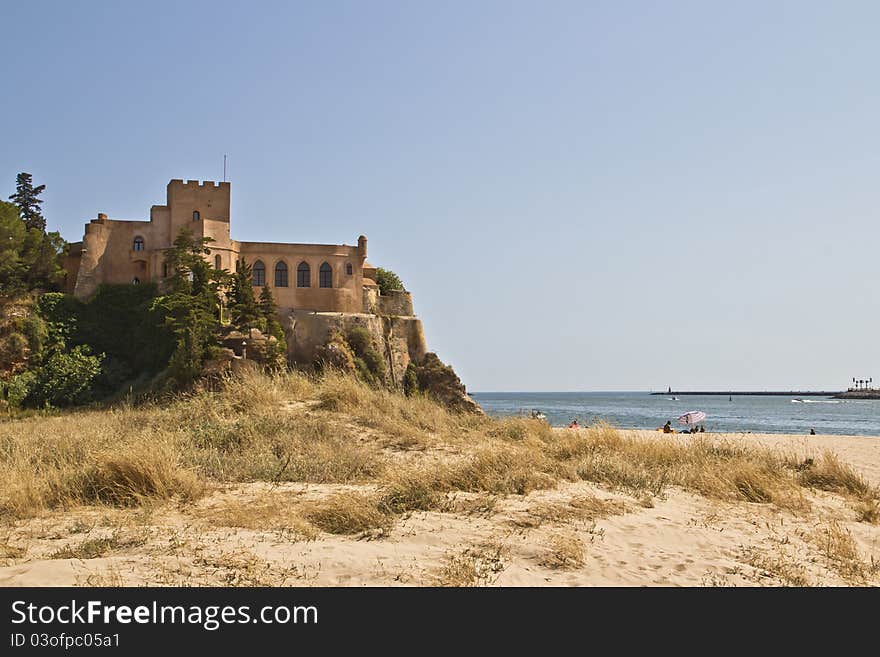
(438, 380)
(29, 258)
(27, 198)
(360, 340)
(191, 307)
(367, 360)
(244, 310)
(387, 280)
(411, 380)
(64, 379)
(61, 313)
(41, 256)
(269, 311)
(123, 322)
(12, 234)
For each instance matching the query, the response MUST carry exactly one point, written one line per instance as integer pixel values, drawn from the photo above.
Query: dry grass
(8, 551)
(584, 507)
(348, 513)
(93, 548)
(842, 554)
(779, 567)
(406, 454)
(477, 566)
(832, 475)
(564, 552)
(271, 512)
(867, 510)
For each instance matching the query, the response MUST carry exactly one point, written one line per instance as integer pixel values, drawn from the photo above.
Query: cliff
(396, 337)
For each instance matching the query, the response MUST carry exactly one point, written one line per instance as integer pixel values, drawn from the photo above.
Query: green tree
(27, 198)
(269, 310)
(387, 280)
(64, 379)
(192, 305)
(243, 307)
(41, 257)
(12, 235)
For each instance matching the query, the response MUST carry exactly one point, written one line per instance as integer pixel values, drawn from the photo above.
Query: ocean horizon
(644, 410)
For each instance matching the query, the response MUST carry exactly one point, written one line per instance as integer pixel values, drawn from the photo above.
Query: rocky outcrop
(390, 333)
(319, 337)
(438, 380)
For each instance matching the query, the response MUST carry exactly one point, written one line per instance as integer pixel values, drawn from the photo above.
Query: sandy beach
(572, 534)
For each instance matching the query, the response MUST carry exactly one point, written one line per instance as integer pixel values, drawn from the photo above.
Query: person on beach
(667, 428)
(812, 432)
(574, 424)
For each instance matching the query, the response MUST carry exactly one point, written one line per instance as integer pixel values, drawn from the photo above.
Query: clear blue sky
(581, 195)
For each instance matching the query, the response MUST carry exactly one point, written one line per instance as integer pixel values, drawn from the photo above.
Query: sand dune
(576, 534)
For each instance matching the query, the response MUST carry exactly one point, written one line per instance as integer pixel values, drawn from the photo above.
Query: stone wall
(396, 302)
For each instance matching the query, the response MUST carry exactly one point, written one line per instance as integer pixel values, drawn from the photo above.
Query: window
(138, 244)
(196, 215)
(349, 269)
(164, 270)
(281, 275)
(237, 265)
(325, 276)
(135, 281)
(217, 262)
(303, 275)
(259, 274)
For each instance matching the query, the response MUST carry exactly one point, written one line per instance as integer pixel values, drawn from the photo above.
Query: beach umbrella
(692, 417)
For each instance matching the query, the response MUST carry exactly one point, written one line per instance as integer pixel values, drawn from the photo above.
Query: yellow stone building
(313, 277)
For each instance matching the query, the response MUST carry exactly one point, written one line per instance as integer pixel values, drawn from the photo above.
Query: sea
(641, 410)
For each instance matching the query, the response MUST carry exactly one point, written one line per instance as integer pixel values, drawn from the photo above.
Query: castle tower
(201, 207)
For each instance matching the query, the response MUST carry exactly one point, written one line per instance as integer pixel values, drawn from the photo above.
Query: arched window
(325, 276)
(196, 215)
(217, 262)
(303, 275)
(138, 244)
(164, 270)
(259, 273)
(135, 281)
(237, 265)
(280, 275)
(349, 269)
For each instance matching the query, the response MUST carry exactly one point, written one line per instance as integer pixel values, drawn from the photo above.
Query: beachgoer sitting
(574, 424)
(812, 432)
(667, 428)
(702, 429)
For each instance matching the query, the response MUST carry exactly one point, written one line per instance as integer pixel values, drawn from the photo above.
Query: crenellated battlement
(210, 184)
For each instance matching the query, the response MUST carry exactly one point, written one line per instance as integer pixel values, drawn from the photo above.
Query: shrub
(387, 280)
(367, 361)
(65, 379)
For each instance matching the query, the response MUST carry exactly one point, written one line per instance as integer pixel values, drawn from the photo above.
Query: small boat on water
(674, 399)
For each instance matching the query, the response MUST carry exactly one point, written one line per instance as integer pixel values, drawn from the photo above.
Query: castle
(319, 288)
(320, 277)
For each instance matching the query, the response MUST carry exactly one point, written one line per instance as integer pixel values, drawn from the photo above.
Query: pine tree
(245, 313)
(192, 305)
(269, 309)
(27, 199)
